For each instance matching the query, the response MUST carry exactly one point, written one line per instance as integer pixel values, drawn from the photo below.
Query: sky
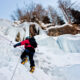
(7, 7)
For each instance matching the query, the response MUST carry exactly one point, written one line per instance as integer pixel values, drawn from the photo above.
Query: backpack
(33, 42)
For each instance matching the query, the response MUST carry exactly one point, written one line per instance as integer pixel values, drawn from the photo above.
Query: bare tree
(30, 11)
(40, 12)
(18, 14)
(54, 16)
(65, 7)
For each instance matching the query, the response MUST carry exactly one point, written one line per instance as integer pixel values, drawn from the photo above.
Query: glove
(14, 46)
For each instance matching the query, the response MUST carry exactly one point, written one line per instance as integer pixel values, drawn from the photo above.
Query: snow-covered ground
(56, 58)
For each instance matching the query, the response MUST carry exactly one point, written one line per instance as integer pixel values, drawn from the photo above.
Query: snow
(56, 58)
(58, 26)
(69, 41)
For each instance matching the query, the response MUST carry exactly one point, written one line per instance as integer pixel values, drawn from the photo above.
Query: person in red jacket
(30, 45)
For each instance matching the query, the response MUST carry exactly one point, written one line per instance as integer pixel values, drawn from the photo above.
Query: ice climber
(30, 45)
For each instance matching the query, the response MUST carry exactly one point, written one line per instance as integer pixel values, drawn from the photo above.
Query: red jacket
(26, 43)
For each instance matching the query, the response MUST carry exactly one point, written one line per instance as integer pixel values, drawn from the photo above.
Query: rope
(18, 59)
(6, 39)
(15, 69)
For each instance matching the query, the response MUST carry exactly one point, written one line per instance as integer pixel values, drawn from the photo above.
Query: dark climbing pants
(30, 54)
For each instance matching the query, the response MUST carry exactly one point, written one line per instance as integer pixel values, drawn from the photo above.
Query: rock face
(32, 30)
(67, 29)
(18, 37)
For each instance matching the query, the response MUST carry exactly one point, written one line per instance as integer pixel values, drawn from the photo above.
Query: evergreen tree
(60, 21)
(46, 19)
(76, 16)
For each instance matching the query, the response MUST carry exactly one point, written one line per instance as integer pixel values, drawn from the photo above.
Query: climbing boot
(32, 69)
(24, 61)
